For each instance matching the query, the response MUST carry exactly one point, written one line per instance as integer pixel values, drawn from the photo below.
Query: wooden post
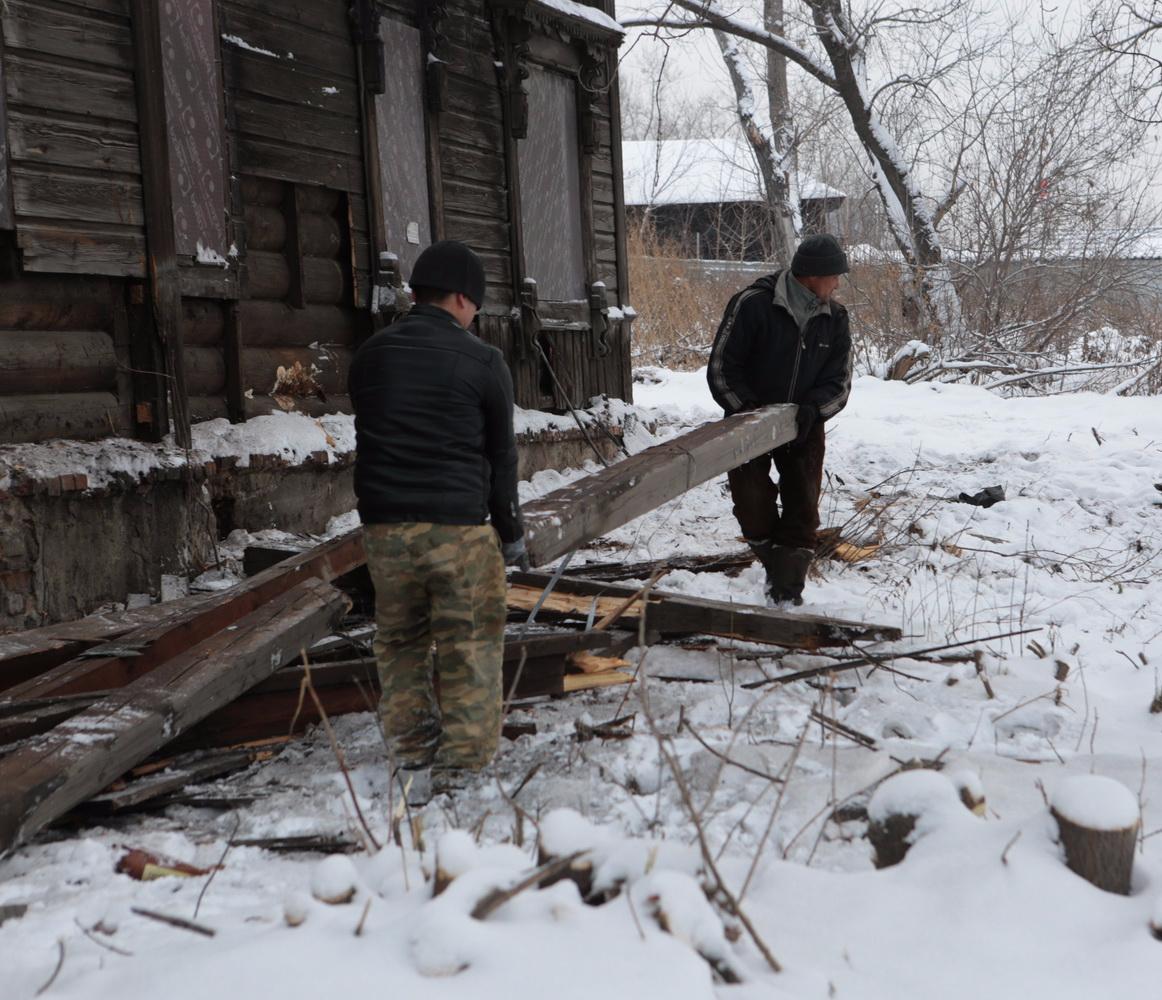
(153, 129)
(232, 355)
(1098, 821)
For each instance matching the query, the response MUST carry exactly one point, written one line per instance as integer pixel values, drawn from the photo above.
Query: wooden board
(46, 778)
(159, 642)
(679, 614)
(572, 516)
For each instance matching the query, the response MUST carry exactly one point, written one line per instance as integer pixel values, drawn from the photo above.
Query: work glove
(805, 418)
(515, 554)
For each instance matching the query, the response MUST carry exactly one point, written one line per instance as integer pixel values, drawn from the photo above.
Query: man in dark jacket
(435, 476)
(785, 340)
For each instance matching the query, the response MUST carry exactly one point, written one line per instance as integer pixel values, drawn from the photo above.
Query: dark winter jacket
(762, 356)
(433, 426)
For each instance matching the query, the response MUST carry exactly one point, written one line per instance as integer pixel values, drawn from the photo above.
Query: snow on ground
(983, 905)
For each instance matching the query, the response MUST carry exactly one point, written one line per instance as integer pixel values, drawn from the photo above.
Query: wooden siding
(75, 169)
(300, 215)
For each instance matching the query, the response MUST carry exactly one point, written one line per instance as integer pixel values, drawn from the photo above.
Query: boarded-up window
(193, 104)
(550, 189)
(403, 144)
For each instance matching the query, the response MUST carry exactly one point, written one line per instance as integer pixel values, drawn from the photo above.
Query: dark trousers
(756, 497)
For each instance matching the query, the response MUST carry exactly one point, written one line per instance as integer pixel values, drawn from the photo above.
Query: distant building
(706, 196)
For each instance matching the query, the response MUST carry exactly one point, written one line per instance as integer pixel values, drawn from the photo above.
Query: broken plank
(525, 598)
(718, 562)
(680, 614)
(590, 663)
(159, 642)
(26, 654)
(42, 780)
(570, 517)
(151, 787)
(587, 682)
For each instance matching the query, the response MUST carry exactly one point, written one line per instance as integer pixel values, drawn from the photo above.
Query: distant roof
(700, 172)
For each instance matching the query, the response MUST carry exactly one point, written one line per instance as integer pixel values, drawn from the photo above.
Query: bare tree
(1056, 208)
(1130, 32)
(841, 65)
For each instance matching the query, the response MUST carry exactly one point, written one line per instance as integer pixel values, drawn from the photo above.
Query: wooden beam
(679, 614)
(582, 511)
(161, 241)
(137, 652)
(730, 563)
(270, 707)
(24, 655)
(80, 757)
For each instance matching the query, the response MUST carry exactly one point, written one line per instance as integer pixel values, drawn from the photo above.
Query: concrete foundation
(67, 549)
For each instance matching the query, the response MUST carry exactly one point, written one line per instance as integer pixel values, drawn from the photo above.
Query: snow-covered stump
(1098, 822)
(564, 832)
(905, 807)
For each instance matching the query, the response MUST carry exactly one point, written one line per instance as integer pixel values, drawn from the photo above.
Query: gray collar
(798, 300)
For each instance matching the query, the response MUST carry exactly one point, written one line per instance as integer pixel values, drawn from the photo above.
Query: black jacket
(761, 357)
(433, 426)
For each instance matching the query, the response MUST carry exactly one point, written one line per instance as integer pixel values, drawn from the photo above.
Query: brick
(54, 487)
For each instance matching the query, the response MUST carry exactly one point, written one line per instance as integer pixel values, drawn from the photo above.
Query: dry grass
(680, 303)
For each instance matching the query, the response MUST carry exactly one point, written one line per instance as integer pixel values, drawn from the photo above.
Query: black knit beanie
(818, 256)
(450, 266)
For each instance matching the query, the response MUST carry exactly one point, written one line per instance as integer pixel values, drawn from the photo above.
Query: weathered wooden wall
(306, 166)
(72, 129)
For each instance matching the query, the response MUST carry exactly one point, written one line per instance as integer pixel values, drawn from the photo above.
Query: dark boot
(775, 565)
(787, 573)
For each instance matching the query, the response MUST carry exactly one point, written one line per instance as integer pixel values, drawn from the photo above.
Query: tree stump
(906, 806)
(1098, 822)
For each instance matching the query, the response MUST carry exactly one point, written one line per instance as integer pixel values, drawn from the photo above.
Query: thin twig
(1005, 853)
(101, 944)
(218, 867)
(839, 728)
(310, 687)
(866, 659)
(60, 961)
(726, 759)
(180, 922)
(363, 918)
(641, 594)
(732, 902)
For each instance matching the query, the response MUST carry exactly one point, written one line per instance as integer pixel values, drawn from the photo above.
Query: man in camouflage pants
(435, 476)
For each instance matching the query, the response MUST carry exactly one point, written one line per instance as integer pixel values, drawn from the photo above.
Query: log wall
(79, 354)
(72, 132)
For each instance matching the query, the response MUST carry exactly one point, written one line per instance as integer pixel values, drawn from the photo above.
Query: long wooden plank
(576, 514)
(680, 614)
(160, 641)
(25, 654)
(81, 756)
(268, 708)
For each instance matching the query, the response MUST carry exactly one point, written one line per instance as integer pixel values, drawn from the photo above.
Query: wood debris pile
(210, 683)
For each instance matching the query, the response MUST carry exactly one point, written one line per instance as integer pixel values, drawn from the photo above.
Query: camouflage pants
(438, 585)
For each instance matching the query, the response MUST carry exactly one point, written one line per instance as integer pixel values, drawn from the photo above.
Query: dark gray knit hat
(450, 266)
(819, 255)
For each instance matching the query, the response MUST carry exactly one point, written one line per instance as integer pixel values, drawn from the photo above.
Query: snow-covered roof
(581, 12)
(700, 172)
